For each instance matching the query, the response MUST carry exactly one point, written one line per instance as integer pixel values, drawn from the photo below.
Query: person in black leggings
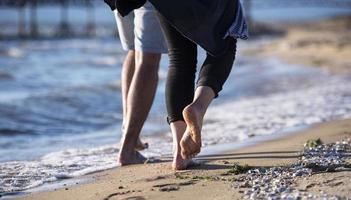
(187, 104)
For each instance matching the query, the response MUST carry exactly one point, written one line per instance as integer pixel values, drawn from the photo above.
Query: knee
(149, 63)
(131, 53)
(147, 70)
(147, 58)
(182, 72)
(179, 58)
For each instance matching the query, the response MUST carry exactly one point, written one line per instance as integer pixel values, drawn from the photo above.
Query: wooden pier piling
(33, 19)
(64, 29)
(90, 27)
(21, 18)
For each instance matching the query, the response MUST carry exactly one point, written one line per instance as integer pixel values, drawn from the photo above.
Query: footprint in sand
(172, 186)
(134, 198)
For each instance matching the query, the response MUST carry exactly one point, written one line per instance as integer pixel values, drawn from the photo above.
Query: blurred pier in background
(28, 23)
(64, 29)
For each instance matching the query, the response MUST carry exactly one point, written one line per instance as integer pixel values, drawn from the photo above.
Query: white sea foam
(274, 113)
(53, 166)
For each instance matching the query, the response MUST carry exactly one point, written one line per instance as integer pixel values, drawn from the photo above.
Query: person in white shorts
(141, 36)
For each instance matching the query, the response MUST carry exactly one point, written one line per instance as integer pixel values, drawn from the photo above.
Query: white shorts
(140, 30)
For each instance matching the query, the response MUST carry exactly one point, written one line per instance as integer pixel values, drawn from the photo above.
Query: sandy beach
(326, 45)
(210, 180)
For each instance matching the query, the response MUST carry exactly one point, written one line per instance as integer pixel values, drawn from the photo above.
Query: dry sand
(158, 181)
(325, 44)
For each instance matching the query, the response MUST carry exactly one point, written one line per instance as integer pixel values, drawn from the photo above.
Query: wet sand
(207, 181)
(325, 44)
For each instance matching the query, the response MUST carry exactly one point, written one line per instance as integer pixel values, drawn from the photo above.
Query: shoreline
(158, 181)
(206, 151)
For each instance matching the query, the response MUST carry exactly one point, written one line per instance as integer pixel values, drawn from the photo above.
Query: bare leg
(193, 115)
(127, 77)
(139, 100)
(178, 129)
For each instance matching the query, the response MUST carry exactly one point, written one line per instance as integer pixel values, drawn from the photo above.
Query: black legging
(182, 54)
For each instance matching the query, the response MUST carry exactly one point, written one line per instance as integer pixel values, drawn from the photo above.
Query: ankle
(126, 152)
(128, 143)
(196, 108)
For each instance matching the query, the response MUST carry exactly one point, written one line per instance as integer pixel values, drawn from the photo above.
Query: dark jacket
(205, 22)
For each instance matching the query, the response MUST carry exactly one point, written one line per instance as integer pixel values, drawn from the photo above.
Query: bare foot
(133, 158)
(191, 141)
(141, 146)
(181, 164)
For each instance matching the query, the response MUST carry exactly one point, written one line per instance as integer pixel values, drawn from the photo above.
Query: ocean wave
(22, 175)
(73, 110)
(274, 113)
